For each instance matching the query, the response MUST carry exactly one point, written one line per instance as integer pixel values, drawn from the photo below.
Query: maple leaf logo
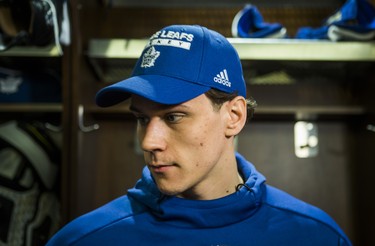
(149, 57)
(10, 84)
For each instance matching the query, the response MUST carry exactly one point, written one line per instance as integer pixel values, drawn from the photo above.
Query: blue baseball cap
(179, 63)
(249, 23)
(354, 21)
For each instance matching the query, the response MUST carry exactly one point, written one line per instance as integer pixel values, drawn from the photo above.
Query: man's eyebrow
(164, 107)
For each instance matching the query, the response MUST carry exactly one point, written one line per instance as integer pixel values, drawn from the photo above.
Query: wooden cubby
(330, 84)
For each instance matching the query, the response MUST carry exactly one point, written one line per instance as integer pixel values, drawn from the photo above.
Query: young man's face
(185, 146)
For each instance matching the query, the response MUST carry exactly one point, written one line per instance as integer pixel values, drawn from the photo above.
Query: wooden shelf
(251, 49)
(214, 3)
(30, 107)
(303, 50)
(32, 51)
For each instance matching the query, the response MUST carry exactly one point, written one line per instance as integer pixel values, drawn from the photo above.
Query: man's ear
(237, 112)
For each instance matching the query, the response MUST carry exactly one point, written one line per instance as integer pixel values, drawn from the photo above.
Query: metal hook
(81, 125)
(53, 127)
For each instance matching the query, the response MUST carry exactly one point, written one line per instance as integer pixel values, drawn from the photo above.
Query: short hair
(218, 98)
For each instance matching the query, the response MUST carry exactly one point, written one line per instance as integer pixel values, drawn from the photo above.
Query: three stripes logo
(222, 78)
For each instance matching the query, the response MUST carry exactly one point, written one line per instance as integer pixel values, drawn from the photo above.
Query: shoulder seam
(307, 217)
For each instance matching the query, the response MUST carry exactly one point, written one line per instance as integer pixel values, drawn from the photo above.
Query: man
(188, 94)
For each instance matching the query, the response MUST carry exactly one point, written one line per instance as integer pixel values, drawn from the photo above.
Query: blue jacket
(257, 214)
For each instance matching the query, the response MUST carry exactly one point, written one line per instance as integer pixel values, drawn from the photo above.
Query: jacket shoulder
(285, 202)
(112, 212)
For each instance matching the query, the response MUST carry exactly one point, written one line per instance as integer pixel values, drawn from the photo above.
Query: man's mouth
(161, 168)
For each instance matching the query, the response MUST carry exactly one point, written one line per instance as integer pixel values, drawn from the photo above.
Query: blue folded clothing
(341, 33)
(24, 87)
(355, 21)
(248, 23)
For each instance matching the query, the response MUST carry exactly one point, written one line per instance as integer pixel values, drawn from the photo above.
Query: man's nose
(152, 136)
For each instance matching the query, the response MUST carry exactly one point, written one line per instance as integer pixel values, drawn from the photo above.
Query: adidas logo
(222, 78)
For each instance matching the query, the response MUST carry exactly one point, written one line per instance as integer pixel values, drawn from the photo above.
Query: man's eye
(174, 118)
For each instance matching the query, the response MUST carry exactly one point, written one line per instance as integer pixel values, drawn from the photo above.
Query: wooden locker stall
(312, 81)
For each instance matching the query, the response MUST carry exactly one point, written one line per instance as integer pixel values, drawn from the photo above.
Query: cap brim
(157, 88)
